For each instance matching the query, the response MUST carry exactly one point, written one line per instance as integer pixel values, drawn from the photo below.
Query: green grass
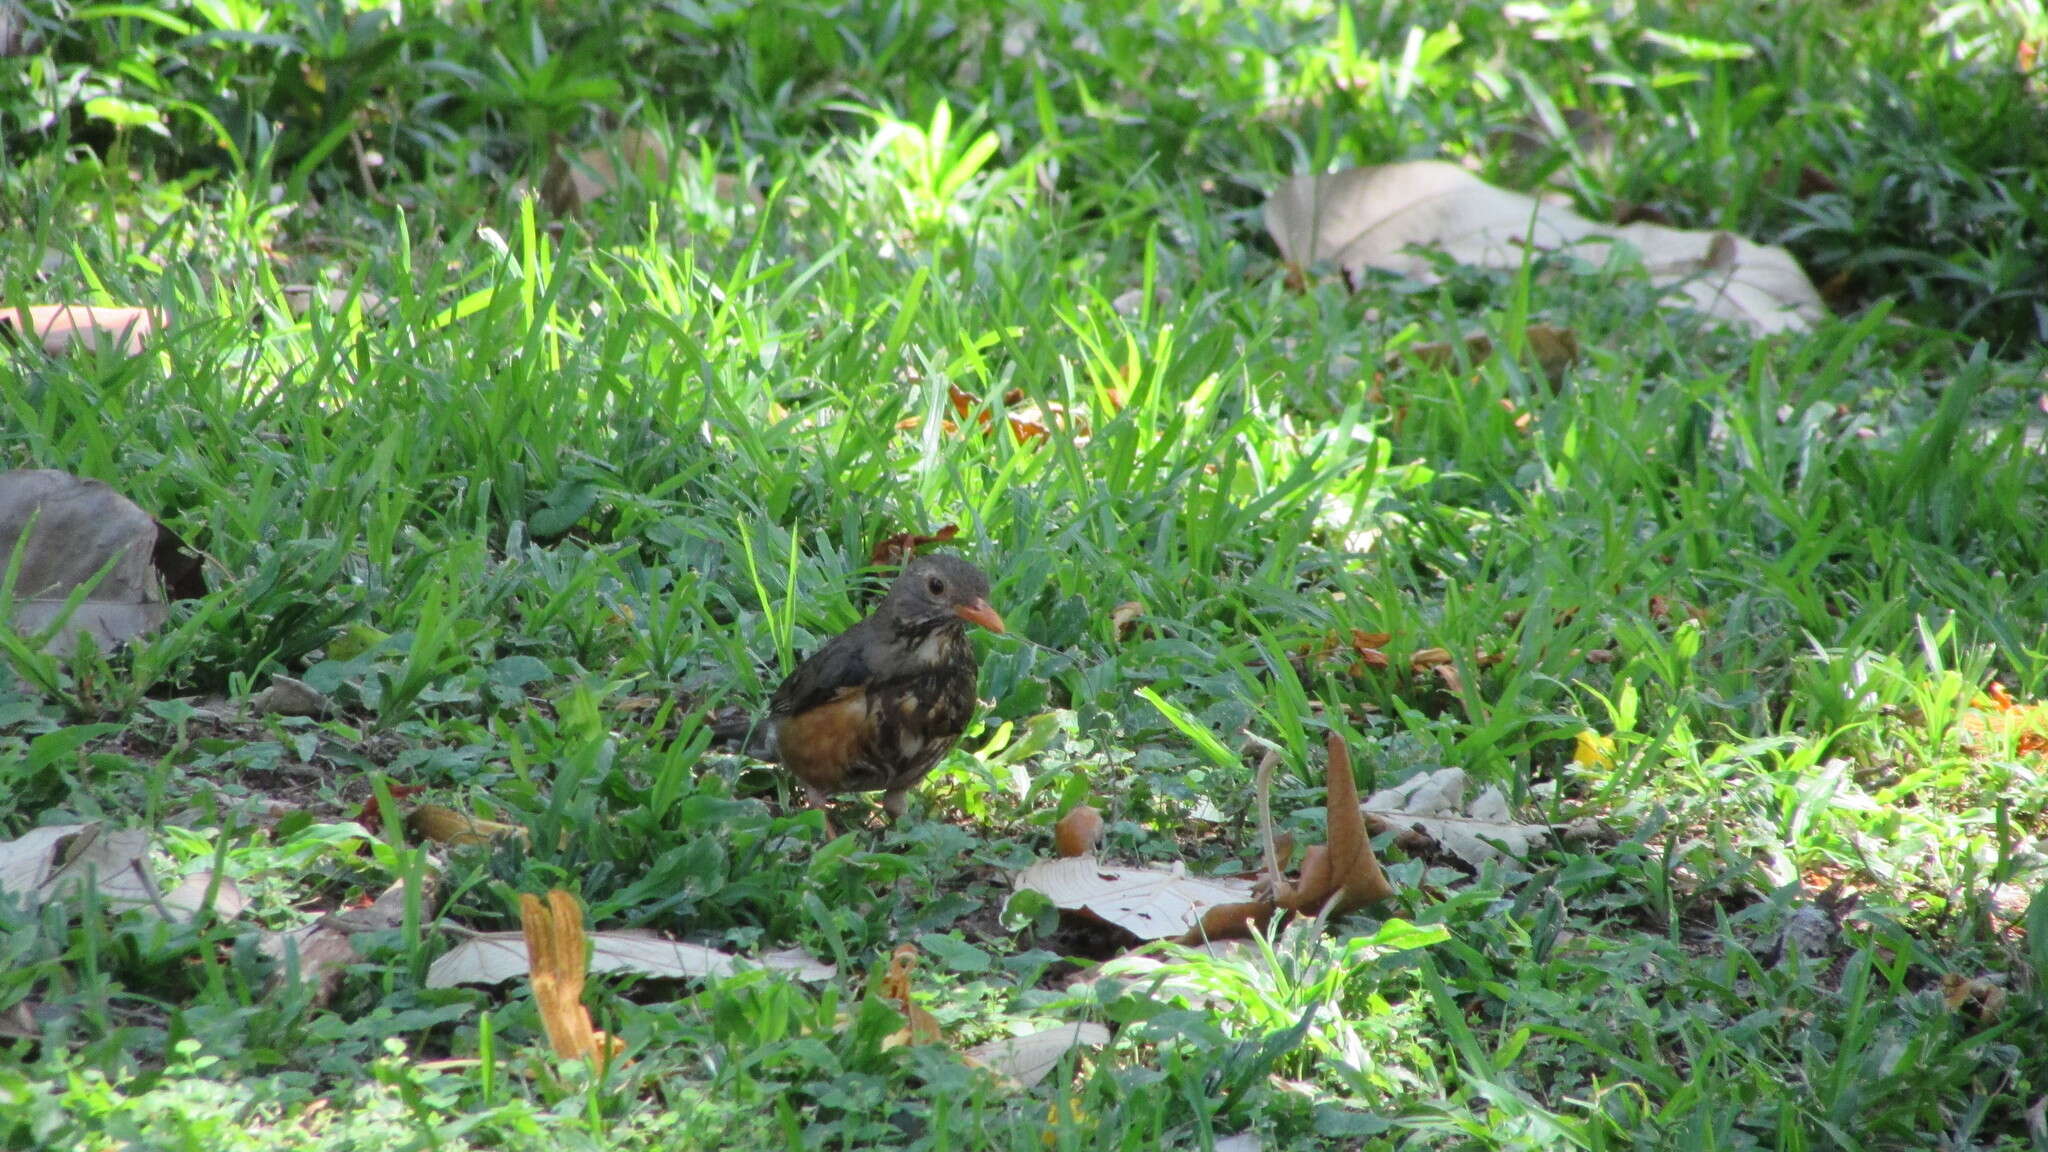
(542, 492)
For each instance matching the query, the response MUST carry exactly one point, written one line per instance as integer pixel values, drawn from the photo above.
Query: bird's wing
(841, 664)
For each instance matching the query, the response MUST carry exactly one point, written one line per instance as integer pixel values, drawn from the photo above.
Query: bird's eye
(935, 586)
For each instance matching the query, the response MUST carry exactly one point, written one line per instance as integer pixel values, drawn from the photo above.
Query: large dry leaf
(79, 525)
(322, 951)
(495, 957)
(59, 862)
(1146, 902)
(1389, 217)
(1026, 1060)
(1433, 805)
(62, 327)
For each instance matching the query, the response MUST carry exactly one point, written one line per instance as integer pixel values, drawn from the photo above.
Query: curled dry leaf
(1025, 1060)
(572, 183)
(1343, 875)
(61, 327)
(444, 825)
(555, 944)
(1982, 995)
(1077, 832)
(1124, 617)
(920, 1026)
(1431, 814)
(1554, 349)
(64, 529)
(495, 957)
(895, 551)
(1377, 218)
(288, 697)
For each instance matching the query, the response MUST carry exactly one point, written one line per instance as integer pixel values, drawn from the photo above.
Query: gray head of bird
(932, 588)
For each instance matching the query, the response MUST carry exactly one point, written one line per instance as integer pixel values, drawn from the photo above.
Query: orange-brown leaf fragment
(1344, 874)
(444, 825)
(1077, 832)
(895, 551)
(558, 964)
(920, 1027)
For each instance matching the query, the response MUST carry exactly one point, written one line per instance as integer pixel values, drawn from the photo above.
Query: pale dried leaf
(1475, 833)
(1028, 1059)
(288, 697)
(495, 957)
(575, 182)
(62, 327)
(1148, 903)
(1391, 216)
(79, 525)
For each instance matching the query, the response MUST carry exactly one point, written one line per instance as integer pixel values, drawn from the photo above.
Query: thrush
(877, 706)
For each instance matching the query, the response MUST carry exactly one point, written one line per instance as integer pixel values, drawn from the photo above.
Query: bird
(878, 705)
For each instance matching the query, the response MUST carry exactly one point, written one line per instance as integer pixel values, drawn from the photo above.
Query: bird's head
(933, 588)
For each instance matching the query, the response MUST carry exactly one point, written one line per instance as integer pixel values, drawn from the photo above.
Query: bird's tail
(734, 729)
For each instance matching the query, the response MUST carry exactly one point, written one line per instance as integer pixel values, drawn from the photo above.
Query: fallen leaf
(1554, 349)
(61, 327)
(920, 1026)
(1376, 218)
(573, 183)
(895, 551)
(288, 697)
(555, 944)
(300, 299)
(495, 957)
(1025, 1060)
(1077, 832)
(444, 825)
(1983, 995)
(79, 527)
(1124, 617)
(62, 861)
(1430, 812)
(1150, 904)
(320, 952)
(1343, 875)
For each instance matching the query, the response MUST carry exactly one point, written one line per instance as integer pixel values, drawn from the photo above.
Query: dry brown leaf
(299, 299)
(1124, 617)
(1077, 832)
(61, 327)
(1378, 218)
(920, 1026)
(1958, 992)
(444, 825)
(1150, 904)
(1343, 875)
(321, 950)
(575, 182)
(896, 551)
(79, 527)
(1025, 1060)
(555, 945)
(1554, 349)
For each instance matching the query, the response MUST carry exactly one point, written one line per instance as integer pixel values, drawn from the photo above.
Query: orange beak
(980, 613)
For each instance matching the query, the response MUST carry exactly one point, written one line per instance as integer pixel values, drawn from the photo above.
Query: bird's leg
(817, 799)
(896, 801)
